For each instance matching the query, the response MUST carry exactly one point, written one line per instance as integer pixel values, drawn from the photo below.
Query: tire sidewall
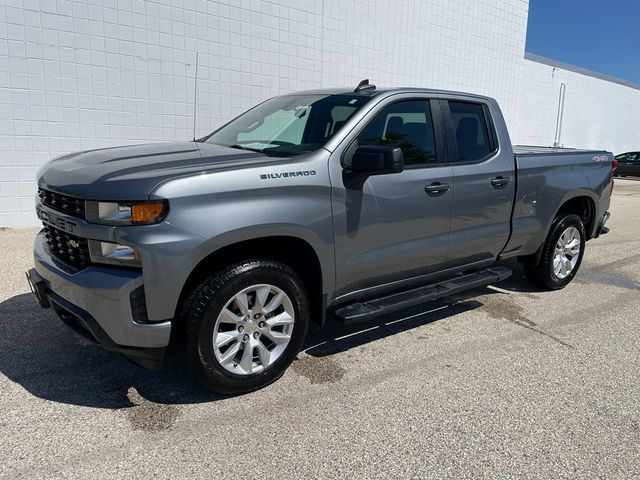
(247, 275)
(557, 230)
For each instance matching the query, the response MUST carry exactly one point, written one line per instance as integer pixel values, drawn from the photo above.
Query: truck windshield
(289, 125)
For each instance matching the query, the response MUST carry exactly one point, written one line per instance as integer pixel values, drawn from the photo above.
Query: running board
(361, 312)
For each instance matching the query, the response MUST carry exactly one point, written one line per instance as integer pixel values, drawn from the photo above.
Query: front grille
(62, 203)
(70, 250)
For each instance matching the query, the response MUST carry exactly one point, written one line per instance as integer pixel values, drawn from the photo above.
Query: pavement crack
(548, 335)
(604, 277)
(500, 309)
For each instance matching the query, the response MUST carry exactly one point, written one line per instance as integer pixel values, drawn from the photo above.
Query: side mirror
(376, 160)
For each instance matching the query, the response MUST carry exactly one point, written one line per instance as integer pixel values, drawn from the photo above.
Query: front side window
(471, 132)
(408, 125)
(289, 125)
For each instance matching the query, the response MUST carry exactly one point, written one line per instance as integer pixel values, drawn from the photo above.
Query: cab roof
(375, 91)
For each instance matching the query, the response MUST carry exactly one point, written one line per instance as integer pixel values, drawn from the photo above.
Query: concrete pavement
(499, 383)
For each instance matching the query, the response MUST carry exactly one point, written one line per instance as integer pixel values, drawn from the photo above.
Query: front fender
(322, 248)
(168, 263)
(224, 208)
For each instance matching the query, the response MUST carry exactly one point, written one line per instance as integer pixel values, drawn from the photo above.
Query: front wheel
(562, 254)
(244, 325)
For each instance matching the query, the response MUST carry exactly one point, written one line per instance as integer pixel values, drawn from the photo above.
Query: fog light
(113, 253)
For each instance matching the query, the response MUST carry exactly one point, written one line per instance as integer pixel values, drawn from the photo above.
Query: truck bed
(547, 178)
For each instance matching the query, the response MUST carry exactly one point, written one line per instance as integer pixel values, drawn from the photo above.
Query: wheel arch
(581, 203)
(296, 252)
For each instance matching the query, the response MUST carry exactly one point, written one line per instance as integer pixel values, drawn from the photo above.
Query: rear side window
(471, 131)
(407, 125)
(628, 157)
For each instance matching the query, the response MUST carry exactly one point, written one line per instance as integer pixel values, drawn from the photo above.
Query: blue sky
(600, 35)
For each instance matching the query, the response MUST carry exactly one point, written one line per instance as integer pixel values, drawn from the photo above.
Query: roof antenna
(364, 85)
(195, 97)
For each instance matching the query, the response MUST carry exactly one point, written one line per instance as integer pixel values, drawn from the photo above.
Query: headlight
(113, 253)
(135, 213)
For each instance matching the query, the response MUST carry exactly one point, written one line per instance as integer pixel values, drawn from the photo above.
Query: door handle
(436, 188)
(499, 182)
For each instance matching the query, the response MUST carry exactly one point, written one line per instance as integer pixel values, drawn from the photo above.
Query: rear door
(484, 181)
(635, 167)
(393, 226)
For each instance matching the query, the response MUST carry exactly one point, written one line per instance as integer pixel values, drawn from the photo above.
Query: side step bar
(361, 312)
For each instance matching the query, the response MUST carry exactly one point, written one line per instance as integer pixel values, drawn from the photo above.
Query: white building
(83, 74)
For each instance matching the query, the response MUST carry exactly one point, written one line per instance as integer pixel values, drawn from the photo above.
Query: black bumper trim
(38, 287)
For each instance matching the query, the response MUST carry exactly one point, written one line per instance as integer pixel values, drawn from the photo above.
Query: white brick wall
(91, 73)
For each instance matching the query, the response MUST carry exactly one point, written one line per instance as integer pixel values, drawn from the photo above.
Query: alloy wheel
(567, 252)
(253, 329)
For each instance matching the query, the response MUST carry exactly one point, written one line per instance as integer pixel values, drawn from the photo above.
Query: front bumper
(99, 298)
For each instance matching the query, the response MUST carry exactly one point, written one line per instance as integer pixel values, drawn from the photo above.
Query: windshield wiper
(242, 147)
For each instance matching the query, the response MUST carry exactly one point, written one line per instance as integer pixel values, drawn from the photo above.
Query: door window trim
(452, 143)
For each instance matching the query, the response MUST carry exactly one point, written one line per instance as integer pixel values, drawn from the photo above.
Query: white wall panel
(597, 113)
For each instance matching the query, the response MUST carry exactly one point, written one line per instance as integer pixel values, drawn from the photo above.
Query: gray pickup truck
(354, 202)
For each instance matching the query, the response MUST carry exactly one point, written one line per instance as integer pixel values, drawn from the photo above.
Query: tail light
(614, 166)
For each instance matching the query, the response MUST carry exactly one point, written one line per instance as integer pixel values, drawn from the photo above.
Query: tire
(549, 273)
(239, 289)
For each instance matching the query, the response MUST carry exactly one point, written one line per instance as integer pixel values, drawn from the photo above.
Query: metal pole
(195, 97)
(556, 143)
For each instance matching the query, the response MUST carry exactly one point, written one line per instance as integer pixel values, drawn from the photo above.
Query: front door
(395, 225)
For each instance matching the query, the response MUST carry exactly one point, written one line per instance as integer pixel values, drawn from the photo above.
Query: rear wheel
(561, 256)
(244, 325)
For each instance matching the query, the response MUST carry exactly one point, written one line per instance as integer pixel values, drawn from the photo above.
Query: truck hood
(132, 172)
